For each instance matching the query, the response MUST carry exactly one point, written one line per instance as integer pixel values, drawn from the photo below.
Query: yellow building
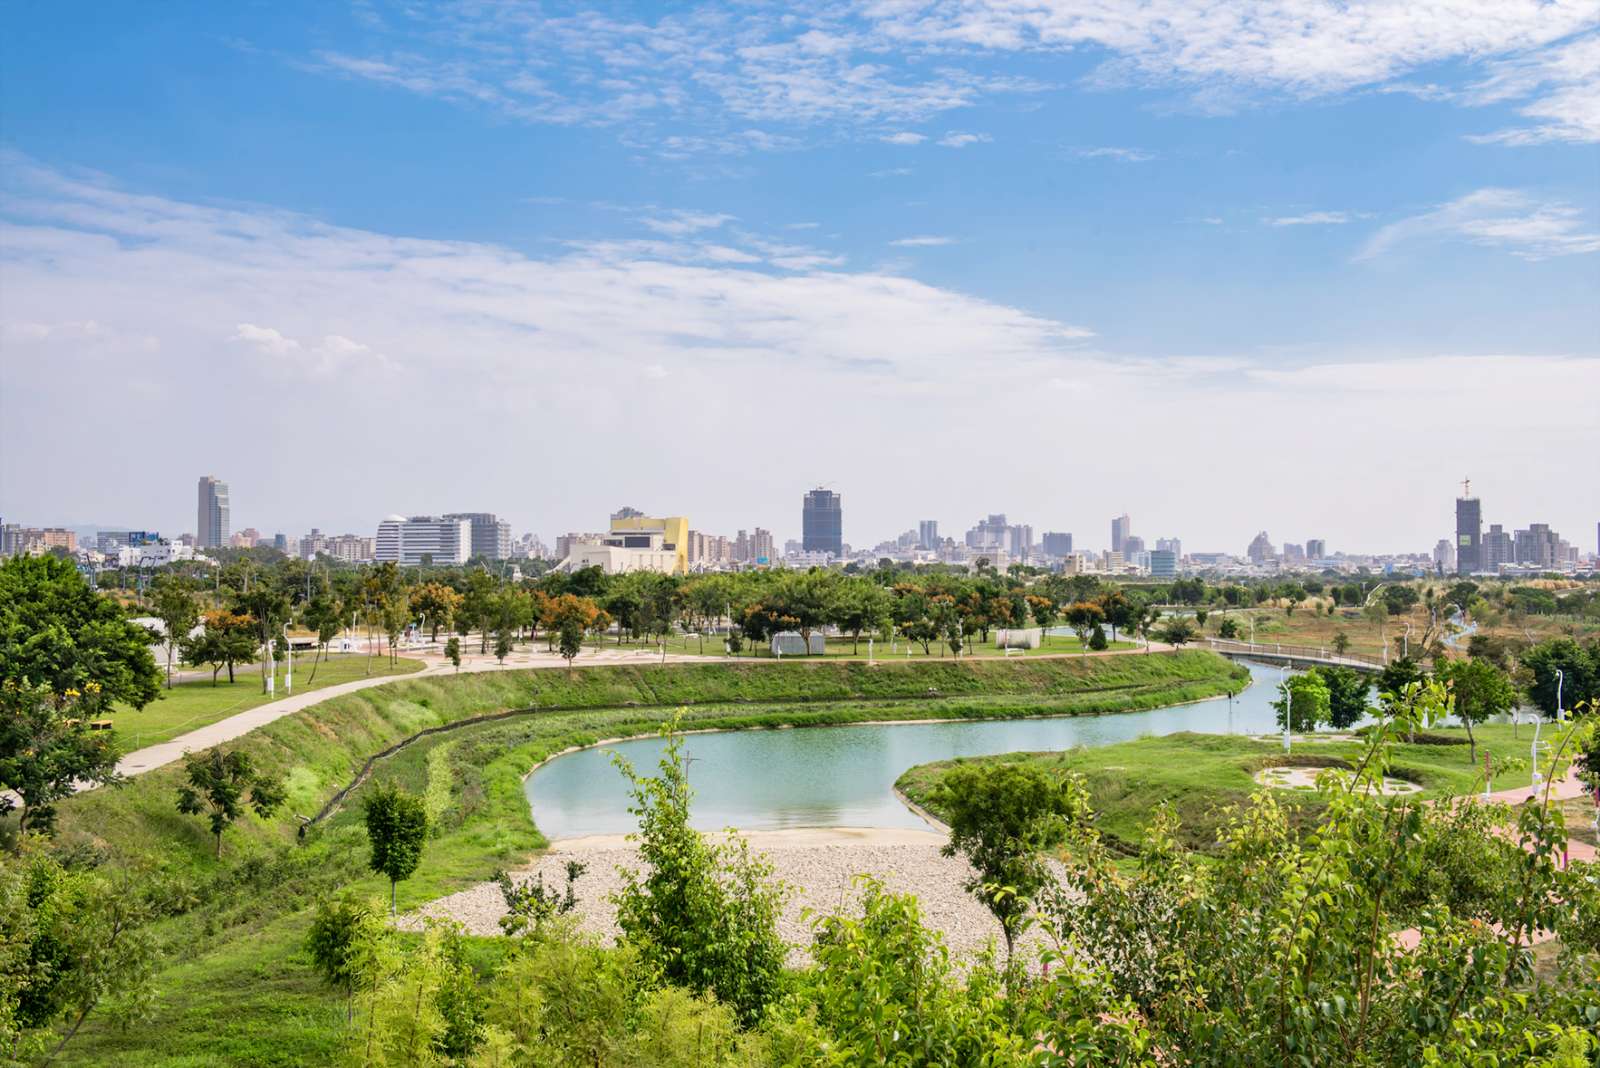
(674, 531)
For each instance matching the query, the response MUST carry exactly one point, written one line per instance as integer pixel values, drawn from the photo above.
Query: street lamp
(1288, 705)
(288, 651)
(1560, 677)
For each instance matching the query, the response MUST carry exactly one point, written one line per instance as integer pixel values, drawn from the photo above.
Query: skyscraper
(928, 534)
(211, 524)
(822, 523)
(1121, 527)
(1469, 531)
(1057, 543)
(1316, 549)
(491, 535)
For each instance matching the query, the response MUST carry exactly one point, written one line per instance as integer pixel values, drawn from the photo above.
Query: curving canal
(844, 776)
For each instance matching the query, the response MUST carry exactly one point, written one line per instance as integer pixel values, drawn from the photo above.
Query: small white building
(620, 553)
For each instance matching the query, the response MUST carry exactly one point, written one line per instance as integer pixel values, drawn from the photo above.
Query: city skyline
(494, 527)
(968, 259)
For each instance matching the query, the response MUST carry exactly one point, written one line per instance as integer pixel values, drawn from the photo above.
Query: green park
(1145, 900)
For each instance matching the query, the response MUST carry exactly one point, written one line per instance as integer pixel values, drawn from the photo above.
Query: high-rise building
(1260, 550)
(1469, 532)
(1499, 547)
(762, 549)
(1170, 545)
(1121, 527)
(928, 534)
(423, 539)
(1444, 556)
(1163, 563)
(822, 523)
(211, 529)
(1316, 549)
(1132, 545)
(1057, 543)
(491, 535)
(1538, 546)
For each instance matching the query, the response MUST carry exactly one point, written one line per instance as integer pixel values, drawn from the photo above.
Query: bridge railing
(1307, 652)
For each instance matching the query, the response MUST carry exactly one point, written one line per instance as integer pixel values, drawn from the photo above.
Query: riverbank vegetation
(227, 932)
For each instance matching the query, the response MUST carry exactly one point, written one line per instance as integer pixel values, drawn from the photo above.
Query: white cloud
(1496, 218)
(924, 241)
(680, 223)
(1312, 218)
(904, 61)
(1565, 86)
(904, 137)
(1121, 155)
(550, 388)
(333, 355)
(958, 139)
(890, 172)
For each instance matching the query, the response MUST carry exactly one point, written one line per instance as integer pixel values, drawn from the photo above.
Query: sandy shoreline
(819, 865)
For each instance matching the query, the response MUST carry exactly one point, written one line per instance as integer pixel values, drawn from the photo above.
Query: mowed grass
(1201, 775)
(237, 988)
(189, 705)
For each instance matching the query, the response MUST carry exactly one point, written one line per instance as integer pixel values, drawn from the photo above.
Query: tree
(1043, 610)
(266, 602)
(47, 747)
(1341, 642)
(1462, 594)
(179, 611)
(397, 828)
(862, 605)
(1228, 629)
(1481, 691)
(342, 940)
(1116, 610)
(395, 611)
(1097, 639)
(1177, 633)
(703, 914)
(452, 651)
(438, 604)
(1001, 817)
(477, 607)
(1083, 617)
(1305, 699)
(323, 615)
(1538, 674)
(221, 783)
(1347, 695)
(502, 644)
(225, 640)
(72, 938)
(1398, 674)
(58, 633)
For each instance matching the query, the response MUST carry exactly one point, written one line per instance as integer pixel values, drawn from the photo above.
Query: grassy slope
(1201, 774)
(190, 705)
(243, 992)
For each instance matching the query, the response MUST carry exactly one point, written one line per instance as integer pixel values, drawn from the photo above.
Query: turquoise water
(843, 776)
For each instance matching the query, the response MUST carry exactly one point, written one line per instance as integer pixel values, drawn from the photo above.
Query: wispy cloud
(1313, 218)
(680, 223)
(890, 172)
(866, 67)
(960, 139)
(922, 241)
(1496, 218)
(1111, 152)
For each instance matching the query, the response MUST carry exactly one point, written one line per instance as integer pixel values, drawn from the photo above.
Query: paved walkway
(224, 730)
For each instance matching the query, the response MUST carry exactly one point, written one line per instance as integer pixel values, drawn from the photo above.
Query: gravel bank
(818, 865)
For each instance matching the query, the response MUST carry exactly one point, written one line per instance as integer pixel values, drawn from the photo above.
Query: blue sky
(811, 244)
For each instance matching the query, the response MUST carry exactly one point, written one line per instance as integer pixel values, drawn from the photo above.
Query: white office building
(411, 541)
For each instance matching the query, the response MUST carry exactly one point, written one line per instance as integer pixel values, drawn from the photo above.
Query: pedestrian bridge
(1296, 655)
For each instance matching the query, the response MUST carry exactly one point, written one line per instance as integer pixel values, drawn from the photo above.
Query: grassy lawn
(236, 987)
(1200, 775)
(846, 648)
(189, 705)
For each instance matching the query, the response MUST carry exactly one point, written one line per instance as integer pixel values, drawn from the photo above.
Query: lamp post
(1288, 705)
(1560, 677)
(288, 651)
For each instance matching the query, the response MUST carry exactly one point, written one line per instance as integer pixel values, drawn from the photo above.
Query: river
(844, 776)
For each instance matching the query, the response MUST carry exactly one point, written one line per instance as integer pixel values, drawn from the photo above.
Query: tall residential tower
(1469, 531)
(211, 524)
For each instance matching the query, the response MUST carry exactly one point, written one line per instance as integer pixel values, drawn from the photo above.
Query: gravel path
(819, 866)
